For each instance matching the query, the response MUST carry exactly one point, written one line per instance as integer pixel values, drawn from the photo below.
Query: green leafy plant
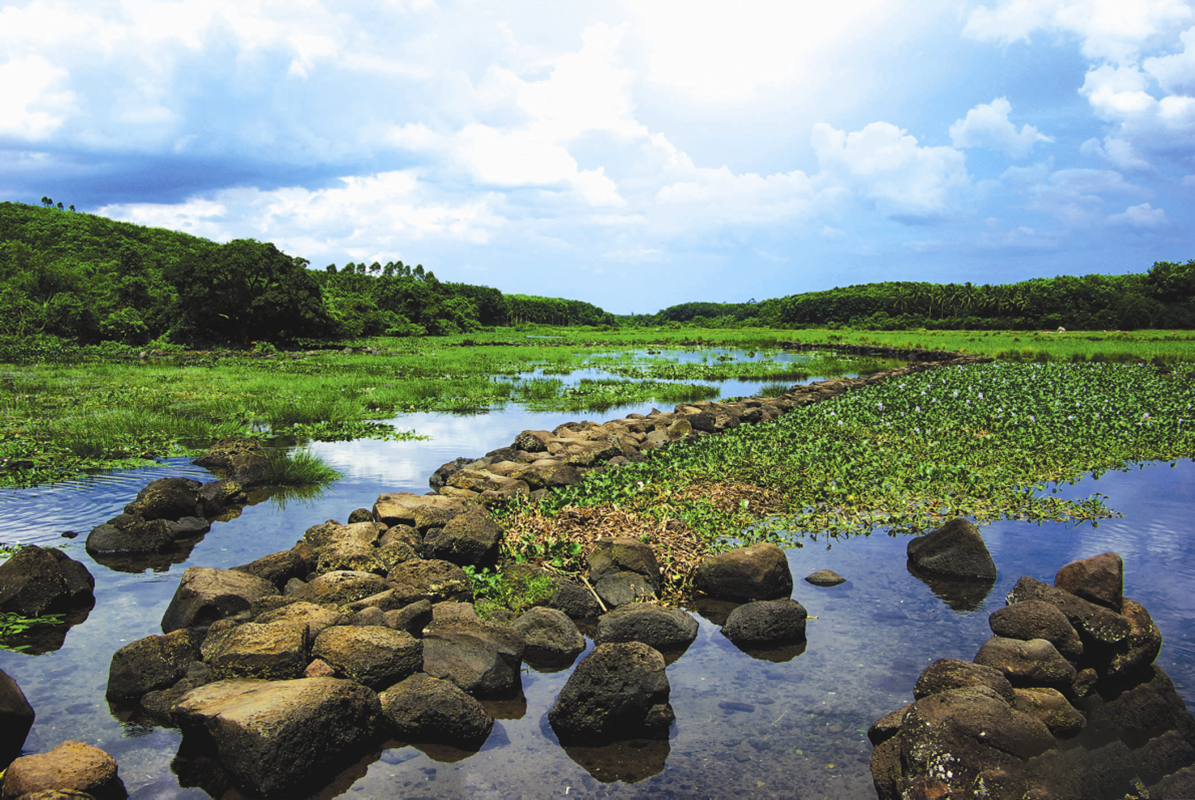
(13, 625)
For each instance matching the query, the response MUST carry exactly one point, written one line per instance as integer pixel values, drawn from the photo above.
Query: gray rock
(825, 577)
(275, 738)
(1095, 623)
(412, 618)
(129, 535)
(16, 718)
(618, 691)
(426, 709)
(622, 588)
(575, 600)
(956, 549)
(619, 555)
(374, 656)
(482, 659)
(469, 539)
(433, 580)
(1037, 619)
(758, 572)
(206, 594)
(766, 623)
(658, 627)
(278, 568)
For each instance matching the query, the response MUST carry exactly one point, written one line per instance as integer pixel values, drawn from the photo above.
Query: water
(805, 733)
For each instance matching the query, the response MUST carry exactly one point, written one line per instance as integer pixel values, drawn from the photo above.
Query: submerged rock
(16, 718)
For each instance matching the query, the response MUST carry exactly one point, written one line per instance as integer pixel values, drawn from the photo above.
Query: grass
(299, 467)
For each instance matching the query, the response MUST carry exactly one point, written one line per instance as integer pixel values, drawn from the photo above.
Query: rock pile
(1064, 701)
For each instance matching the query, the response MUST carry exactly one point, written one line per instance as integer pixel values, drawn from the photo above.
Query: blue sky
(633, 154)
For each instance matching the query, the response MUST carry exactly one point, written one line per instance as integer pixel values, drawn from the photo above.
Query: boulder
(1139, 649)
(130, 535)
(825, 577)
(758, 572)
(551, 639)
(206, 594)
(659, 628)
(426, 709)
(16, 718)
(1099, 579)
(947, 674)
(412, 618)
(1037, 619)
(278, 568)
(399, 508)
(440, 477)
(1032, 663)
(279, 738)
(36, 581)
(618, 691)
(348, 553)
(69, 767)
(481, 658)
(151, 663)
(167, 498)
(272, 652)
(245, 461)
(1050, 707)
(765, 623)
(434, 580)
(546, 473)
(575, 600)
(533, 441)
(312, 618)
(372, 655)
(188, 527)
(217, 496)
(469, 539)
(1096, 624)
(341, 587)
(956, 549)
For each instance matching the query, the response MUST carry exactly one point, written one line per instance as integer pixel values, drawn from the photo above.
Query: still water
(791, 724)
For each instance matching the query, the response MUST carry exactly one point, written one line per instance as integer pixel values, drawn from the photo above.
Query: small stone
(825, 577)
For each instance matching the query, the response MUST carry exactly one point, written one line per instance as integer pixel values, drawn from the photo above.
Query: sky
(632, 154)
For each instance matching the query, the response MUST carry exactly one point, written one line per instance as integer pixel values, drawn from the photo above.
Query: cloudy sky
(633, 154)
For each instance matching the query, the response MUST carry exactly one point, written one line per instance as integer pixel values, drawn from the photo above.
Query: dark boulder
(575, 600)
(619, 691)
(206, 594)
(341, 587)
(217, 496)
(245, 461)
(37, 581)
(314, 619)
(947, 674)
(956, 549)
(1099, 579)
(468, 539)
(1137, 650)
(1032, 663)
(481, 658)
(1037, 619)
(151, 663)
(412, 618)
(758, 572)
(426, 709)
(167, 498)
(127, 535)
(657, 627)
(372, 655)
(552, 640)
(1050, 707)
(1096, 624)
(272, 652)
(278, 568)
(825, 577)
(69, 767)
(766, 623)
(434, 580)
(623, 570)
(16, 718)
(279, 738)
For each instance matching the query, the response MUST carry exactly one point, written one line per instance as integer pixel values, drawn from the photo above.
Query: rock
(546, 473)
(766, 623)
(440, 477)
(279, 738)
(360, 515)
(312, 618)
(482, 659)
(1099, 579)
(758, 572)
(1139, 649)
(129, 535)
(956, 549)
(70, 767)
(272, 652)
(575, 600)
(347, 553)
(618, 691)
(319, 669)
(167, 498)
(188, 527)
(1050, 707)
(533, 441)
(657, 627)
(245, 461)
(469, 539)
(947, 674)
(1037, 619)
(151, 663)
(949, 738)
(278, 568)
(1032, 663)
(372, 655)
(341, 587)
(399, 508)
(412, 618)
(888, 725)
(16, 718)
(1140, 710)
(825, 577)
(36, 581)
(551, 639)
(206, 594)
(433, 580)
(885, 769)
(217, 496)
(426, 709)
(1095, 624)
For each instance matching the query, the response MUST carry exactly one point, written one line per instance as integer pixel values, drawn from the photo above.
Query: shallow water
(785, 728)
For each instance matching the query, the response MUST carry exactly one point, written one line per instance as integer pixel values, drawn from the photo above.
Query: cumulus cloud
(987, 125)
(32, 103)
(1075, 197)
(886, 165)
(1141, 216)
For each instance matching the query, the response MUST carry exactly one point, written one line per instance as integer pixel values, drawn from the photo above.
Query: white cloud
(1141, 216)
(885, 164)
(32, 104)
(1075, 197)
(987, 125)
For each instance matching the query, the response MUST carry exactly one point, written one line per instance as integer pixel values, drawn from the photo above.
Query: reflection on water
(775, 724)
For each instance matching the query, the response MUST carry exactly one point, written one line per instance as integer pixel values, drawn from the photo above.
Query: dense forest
(89, 279)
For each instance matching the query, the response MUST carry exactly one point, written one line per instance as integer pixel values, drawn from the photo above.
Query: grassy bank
(986, 441)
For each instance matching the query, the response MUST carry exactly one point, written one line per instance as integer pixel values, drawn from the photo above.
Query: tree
(1172, 282)
(244, 291)
(47, 202)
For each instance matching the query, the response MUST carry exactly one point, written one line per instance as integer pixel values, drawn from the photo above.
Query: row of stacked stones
(1064, 701)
